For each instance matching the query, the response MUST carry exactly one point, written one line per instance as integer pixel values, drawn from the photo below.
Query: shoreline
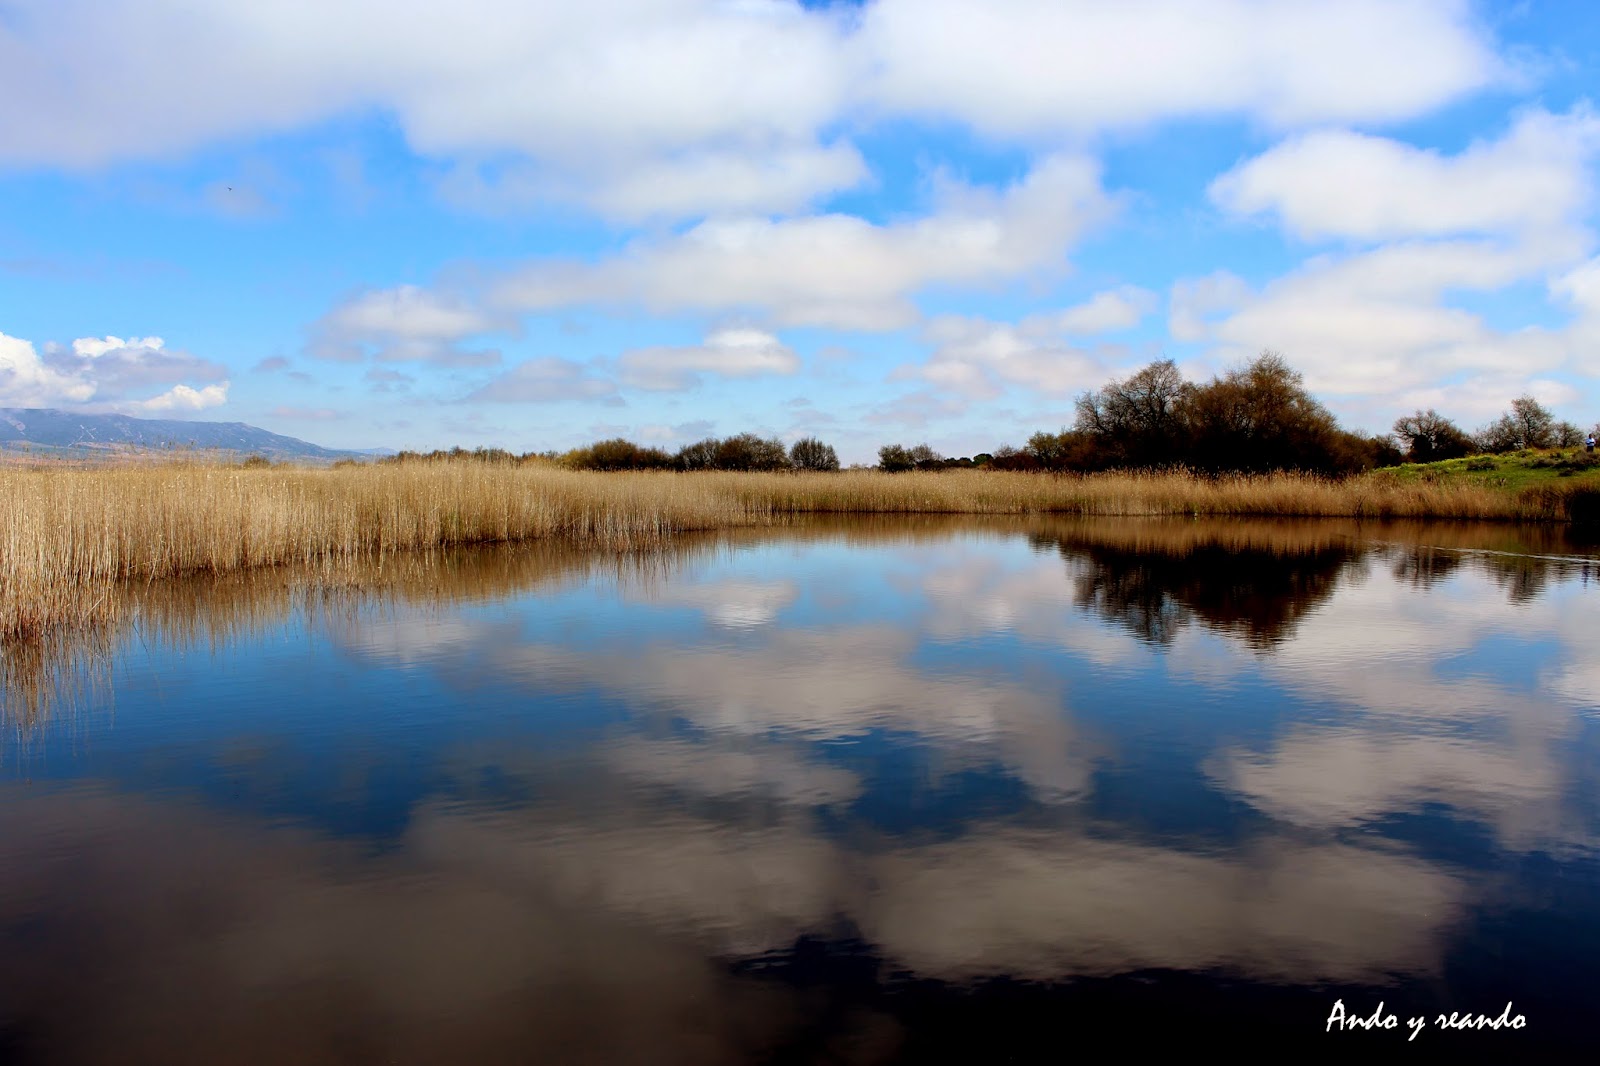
(70, 536)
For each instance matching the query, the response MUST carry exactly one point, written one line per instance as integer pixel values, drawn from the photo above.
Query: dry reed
(70, 537)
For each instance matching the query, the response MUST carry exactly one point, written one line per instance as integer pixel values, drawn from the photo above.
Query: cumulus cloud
(1042, 67)
(1580, 289)
(1380, 324)
(726, 352)
(404, 324)
(108, 373)
(1104, 312)
(836, 270)
(638, 107)
(783, 180)
(25, 380)
(1388, 327)
(981, 357)
(546, 380)
(184, 398)
(1340, 183)
(591, 94)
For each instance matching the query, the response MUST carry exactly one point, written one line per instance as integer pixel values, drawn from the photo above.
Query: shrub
(746, 451)
(701, 455)
(809, 453)
(895, 458)
(617, 454)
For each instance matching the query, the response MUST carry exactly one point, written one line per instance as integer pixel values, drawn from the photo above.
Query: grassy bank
(68, 537)
(1516, 471)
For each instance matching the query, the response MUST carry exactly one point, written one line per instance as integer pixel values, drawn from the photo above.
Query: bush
(747, 451)
(895, 458)
(1006, 457)
(809, 453)
(701, 455)
(617, 454)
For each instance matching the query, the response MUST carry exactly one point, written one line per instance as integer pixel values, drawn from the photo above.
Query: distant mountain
(69, 433)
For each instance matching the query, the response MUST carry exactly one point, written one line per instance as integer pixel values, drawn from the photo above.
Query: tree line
(1258, 418)
(1254, 418)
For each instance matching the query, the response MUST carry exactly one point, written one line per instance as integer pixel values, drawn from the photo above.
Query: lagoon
(853, 790)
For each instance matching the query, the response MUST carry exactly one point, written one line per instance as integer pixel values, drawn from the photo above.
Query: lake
(866, 791)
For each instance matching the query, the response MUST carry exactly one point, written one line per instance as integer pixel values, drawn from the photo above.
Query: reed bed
(70, 537)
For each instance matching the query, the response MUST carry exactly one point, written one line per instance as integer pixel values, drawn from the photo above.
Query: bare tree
(1428, 437)
(1527, 425)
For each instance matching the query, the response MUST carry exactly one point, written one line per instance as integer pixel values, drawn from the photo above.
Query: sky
(532, 225)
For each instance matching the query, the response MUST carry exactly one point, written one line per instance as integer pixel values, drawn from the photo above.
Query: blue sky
(373, 223)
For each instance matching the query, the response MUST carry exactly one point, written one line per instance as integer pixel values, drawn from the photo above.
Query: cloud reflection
(144, 932)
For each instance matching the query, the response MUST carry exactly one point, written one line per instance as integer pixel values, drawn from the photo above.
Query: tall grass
(70, 537)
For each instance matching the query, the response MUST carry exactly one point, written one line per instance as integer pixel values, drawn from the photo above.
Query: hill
(73, 435)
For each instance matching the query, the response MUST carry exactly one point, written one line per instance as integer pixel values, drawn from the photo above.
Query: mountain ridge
(80, 435)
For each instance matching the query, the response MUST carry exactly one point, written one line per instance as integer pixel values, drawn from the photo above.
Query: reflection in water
(849, 793)
(177, 936)
(1256, 587)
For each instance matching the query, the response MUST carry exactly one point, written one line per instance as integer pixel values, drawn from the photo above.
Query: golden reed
(70, 536)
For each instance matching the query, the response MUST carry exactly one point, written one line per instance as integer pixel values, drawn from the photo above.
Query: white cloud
(26, 382)
(978, 357)
(548, 379)
(782, 180)
(1105, 312)
(408, 311)
(728, 352)
(1389, 328)
(1378, 324)
(107, 373)
(1339, 183)
(404, 324)
(1193, 299)
(184, 398)
(837, 270)
(1046, 67)
(1580, 287)
(639, 107)
(592, 94)
(93, 347)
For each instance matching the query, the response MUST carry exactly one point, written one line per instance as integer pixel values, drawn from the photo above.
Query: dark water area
(892, 791)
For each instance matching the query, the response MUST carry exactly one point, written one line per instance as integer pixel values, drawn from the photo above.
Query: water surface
(855, 792)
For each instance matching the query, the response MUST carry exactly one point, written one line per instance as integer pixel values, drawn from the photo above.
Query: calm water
(859, 793)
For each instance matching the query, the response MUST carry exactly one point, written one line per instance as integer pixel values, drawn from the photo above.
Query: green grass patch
(1531, 468)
